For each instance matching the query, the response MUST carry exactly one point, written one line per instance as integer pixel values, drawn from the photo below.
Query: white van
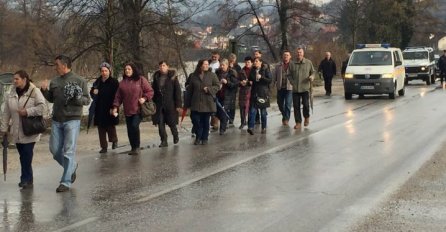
(375, 69)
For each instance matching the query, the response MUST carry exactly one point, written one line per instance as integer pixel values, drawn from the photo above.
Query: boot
(114, 145)
(163, 143)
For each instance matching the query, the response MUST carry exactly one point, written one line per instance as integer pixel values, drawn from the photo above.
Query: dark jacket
(201, 101)
(328, 68)
(245, 91)
(228, 93)
(166, 98)
(65, 110)
(442, 63)
(104, 101)
(260, 88)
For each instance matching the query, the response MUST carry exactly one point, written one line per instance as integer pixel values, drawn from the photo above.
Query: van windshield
(415, 55)
(368, 58)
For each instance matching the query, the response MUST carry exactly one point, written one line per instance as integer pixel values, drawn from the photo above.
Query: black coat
(227, 95)
(104, 101)
(167, 99)
(328, 68)
(260, 88)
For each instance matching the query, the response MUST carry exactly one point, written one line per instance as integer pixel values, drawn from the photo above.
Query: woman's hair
(23, 74)
(260, 59)
(224, 61)
(198, 68)
(136, 72)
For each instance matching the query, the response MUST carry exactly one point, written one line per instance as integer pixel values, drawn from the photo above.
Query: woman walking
(167, 97)
(132, 92)
(104, 91)
(25, 100)
(203, 85)
(259, 79)
(244, 94)
(227, 94)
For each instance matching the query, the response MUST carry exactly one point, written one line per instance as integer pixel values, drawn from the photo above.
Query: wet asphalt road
(322, 178)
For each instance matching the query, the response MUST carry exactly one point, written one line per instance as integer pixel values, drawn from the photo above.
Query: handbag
(148, 108)
(35, 124)
(262, 102)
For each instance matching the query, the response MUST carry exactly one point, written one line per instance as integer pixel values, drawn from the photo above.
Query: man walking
(442, 66)
(301, 77)
(68, 93)
(328, 69)
(284, 87)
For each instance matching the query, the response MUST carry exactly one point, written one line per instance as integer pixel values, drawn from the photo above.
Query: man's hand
(95, 91)
(206, 89)
(224, 81)
(44, 84)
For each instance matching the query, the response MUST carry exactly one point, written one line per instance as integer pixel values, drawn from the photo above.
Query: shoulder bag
(35, 124)
(148, 108)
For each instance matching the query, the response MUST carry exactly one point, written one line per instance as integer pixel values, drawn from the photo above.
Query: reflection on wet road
(320, 178)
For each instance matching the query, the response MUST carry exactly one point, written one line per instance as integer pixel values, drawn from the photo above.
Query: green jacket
(300, 73)
(64, 110)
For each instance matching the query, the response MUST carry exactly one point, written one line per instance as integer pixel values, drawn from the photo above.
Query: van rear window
(415, 55)
(371, 58)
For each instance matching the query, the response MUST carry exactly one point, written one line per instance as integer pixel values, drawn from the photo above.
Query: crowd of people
(211, 95)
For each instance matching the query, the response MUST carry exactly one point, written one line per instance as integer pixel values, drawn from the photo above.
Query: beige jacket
(36, 106)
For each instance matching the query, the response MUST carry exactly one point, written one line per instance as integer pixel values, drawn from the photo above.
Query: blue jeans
(26, 158)
(285, 101)
(201, 122)
(63, 142)
(252, 117)
(133, 132)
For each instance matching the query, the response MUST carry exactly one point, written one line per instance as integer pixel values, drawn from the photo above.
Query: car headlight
(423, 68)
(348, 75)
(387, 75)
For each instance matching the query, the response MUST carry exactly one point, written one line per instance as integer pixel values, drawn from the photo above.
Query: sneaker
(163, 144)
(222, 132)
(62, 188)
(263, 131)
(26, 184)
(73, 176)
(103, 150)
(204, 142)
(306, 121)
(241, 126)
(250, 131)
(197, 142)
(298, 125)
(114, 145)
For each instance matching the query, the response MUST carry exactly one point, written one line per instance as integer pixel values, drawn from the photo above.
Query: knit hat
(105, 64)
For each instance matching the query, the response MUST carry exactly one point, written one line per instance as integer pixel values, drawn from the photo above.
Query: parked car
(6, 81)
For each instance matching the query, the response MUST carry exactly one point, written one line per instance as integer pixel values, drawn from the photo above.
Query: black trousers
(327, 84)
(162, 127)
(298, 100)
(112, 136)
(26, 152)
(133, 130)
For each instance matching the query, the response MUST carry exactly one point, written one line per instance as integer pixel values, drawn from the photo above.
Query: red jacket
(129, 92)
